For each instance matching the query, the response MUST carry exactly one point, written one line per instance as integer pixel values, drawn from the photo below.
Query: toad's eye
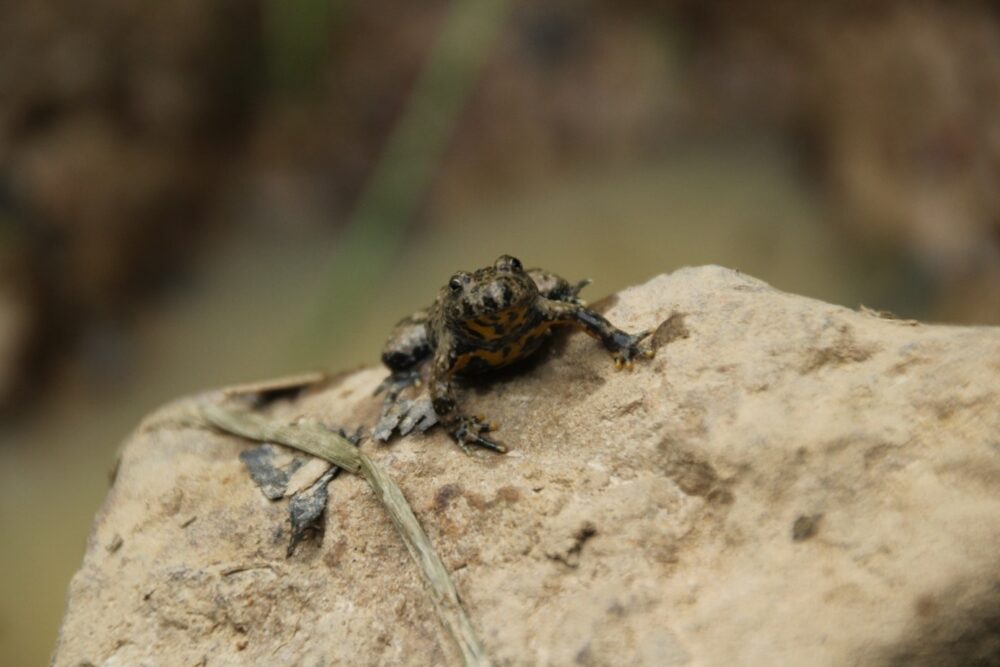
(508, 263)
(455, 284)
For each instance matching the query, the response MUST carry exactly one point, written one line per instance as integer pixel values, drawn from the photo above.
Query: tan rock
(788, 482)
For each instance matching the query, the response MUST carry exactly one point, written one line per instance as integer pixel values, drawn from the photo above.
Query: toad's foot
(574, 292)
(404, 416)
(631, 347)
(420, 416)
(470, 430)
(396, 383)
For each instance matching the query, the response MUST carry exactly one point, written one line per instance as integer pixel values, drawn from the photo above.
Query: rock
(787, 482)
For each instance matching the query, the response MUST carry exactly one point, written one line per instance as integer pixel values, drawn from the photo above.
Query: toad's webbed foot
(396, 383)
(404, 417)
(469, 431)
(400, 414)
(629, 346)
(573, 296)
(556, 288)
(570, 293)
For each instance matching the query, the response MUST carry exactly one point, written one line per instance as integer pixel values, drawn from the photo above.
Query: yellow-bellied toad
(484, 320)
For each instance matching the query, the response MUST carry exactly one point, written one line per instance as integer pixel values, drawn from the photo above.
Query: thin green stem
(403, 172)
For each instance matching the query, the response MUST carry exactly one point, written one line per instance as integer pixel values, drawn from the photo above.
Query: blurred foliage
(399, 181)
(297, 36)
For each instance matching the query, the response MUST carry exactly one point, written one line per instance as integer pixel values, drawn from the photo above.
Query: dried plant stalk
(316, 440)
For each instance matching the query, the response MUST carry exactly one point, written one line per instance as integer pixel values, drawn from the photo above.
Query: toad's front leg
(464, 429)
(408, 347)
(624, 346)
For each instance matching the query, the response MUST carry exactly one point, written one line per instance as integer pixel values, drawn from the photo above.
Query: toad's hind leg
(407, 349)
(555, 287)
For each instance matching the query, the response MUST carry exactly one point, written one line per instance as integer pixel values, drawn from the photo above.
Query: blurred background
(200, 192)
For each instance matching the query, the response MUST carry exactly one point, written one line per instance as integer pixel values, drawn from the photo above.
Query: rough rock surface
(788, 482)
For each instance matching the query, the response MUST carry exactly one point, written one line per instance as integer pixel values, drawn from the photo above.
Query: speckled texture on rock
(788, 482)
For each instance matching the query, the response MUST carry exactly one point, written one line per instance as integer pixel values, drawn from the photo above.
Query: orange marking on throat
(507, 354)
(483, 329)
(486, 325)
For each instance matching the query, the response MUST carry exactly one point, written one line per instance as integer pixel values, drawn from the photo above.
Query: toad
(485, 320)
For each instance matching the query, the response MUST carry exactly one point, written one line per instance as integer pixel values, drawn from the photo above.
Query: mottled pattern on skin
(484, 320)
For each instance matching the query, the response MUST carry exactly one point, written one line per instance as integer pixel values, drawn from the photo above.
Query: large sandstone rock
(788, 482)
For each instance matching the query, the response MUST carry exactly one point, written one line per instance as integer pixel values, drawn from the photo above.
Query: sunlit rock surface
(787, 482)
